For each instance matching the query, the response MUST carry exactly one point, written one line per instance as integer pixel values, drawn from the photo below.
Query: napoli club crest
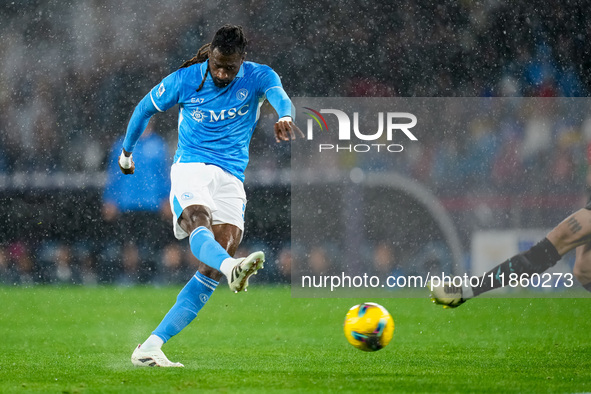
(242, 94)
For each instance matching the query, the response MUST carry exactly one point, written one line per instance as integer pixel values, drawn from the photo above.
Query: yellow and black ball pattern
(369, 327)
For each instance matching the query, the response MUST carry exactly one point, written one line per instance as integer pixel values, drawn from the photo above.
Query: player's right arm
(162, 97)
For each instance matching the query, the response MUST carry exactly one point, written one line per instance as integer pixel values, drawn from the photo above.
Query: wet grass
(78, 340)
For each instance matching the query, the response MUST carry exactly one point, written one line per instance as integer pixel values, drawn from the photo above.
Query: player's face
(224, 68)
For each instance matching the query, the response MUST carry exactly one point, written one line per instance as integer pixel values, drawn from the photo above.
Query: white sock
(227, 265)
(153, 342)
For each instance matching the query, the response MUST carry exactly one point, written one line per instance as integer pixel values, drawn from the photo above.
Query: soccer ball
(369, 327)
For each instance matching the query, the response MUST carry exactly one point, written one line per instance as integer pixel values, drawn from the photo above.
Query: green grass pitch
(79, 340)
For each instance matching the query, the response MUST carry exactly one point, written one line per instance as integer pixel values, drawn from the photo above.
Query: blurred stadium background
(72, 72)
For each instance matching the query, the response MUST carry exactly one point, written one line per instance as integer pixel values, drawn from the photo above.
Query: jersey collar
(241, 71)
(205, 64)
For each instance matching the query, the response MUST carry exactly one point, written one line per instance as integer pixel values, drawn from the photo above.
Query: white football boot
(238, 279)
(151, 358)
(447, 294)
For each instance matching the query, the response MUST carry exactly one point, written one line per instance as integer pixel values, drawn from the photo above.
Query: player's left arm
(285, 128)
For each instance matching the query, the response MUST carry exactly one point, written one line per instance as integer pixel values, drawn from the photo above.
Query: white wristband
(124, 161)
(285, 119)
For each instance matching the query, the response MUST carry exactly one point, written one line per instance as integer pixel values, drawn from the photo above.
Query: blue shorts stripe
(176, 206)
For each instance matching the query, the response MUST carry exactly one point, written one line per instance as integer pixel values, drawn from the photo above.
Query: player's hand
(285, 130)
(126, 163)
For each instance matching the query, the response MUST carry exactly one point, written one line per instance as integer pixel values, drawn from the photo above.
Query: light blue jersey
(215, 125)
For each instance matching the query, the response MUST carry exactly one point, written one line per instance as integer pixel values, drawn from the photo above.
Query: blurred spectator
(137, 212)
(87, 264)
(562, 167)
(507, 165)
(432, 257)
(87, 83)
(319, 262)
(384, 261)
(20, 263)
(173, 268)
(284, 264)
(68, 81)
(540, 73)
(4, 269)
(446, 167)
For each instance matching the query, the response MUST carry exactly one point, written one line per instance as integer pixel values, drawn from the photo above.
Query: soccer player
(573, 232)
(219, 96)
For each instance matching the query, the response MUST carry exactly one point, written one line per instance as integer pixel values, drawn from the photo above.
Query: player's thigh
(230, 201)
(191, 186)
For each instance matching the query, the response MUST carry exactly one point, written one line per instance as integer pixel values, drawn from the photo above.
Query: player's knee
(582, 272)
(195, 216)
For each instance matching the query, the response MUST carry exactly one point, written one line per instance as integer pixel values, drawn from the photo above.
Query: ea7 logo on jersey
(229, 114)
